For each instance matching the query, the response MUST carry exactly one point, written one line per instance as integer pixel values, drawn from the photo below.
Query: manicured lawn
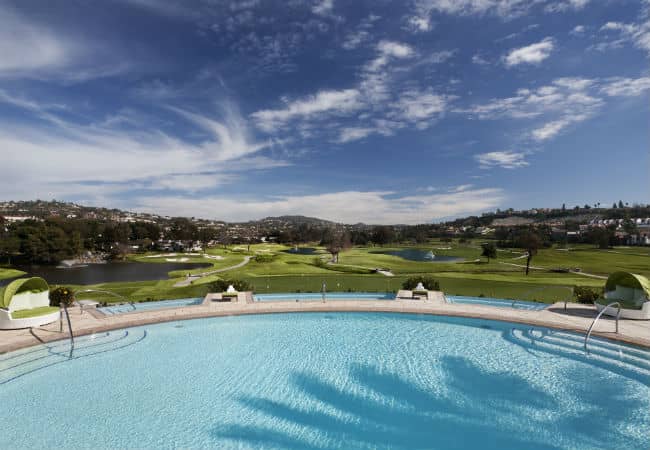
(280, 271)
(10, 273)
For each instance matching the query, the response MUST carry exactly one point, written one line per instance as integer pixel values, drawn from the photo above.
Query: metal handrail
(67, 316)
(591, 327)
(111, 293)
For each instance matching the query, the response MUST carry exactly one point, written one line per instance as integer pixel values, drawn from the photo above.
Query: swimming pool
(147, 306)
(498, 302)
(328, 380)
(305, 296)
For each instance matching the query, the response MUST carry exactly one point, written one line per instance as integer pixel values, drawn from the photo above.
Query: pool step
(623, 359)
(22, 362)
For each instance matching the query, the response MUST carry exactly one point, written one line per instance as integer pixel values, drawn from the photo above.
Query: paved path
(584, 274)
(576, 318)
(187, 281)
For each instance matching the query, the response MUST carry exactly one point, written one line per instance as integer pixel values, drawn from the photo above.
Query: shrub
(222, 285)
(265, 258)
(61, 295)
(319, 262)
(428, 282)
(585, 294)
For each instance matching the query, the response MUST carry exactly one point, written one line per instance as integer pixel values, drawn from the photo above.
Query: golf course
(272, 268)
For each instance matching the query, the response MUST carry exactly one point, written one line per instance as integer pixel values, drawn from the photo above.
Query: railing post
(593, 324)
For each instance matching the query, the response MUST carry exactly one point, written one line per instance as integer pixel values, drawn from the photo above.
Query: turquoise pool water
(328, 380)
(303, 296)
(146, 306)
(498, 302)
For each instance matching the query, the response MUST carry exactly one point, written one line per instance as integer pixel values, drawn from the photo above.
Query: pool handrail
(618, 315)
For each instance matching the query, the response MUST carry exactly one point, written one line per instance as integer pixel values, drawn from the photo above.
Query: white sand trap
(177, 259)
(213, 256)
(161, 256)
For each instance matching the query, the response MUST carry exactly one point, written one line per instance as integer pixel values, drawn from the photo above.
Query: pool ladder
(67, 316)
(593, 324)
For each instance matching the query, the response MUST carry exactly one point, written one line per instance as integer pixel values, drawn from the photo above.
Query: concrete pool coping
(576, 318)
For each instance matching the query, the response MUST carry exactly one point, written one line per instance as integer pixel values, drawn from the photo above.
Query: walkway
(584, 274)
(187, 281)
(576, 318)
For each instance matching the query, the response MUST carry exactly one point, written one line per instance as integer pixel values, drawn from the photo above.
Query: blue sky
(375, 111)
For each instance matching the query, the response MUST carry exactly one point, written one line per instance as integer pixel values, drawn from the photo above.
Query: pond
(302, 251)
(105, 273)
(416, 254)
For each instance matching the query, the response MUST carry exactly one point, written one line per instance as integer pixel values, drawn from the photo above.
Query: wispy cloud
(626, 87)
(565, 102)
(503, 159)
(636, 33)
(323, 102)
(27, 47)
(65, 155)
(372, 207)
(354, 134)
(530, 54)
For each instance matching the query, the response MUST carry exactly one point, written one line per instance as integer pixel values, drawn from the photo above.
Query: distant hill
(41, 209)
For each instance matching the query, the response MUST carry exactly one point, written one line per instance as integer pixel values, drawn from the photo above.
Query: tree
(383, 234)
(531, 242)
(620, 203)
(336, 241)
(489, 250)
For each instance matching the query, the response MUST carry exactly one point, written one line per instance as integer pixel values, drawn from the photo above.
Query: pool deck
(575, 318)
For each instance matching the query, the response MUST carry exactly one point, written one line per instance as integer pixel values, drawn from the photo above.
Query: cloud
(354, 134)
(323, 7)
(420, 106)
(565, 101)
(27, 47)
(505, 9)
(62, 158)
(420, 24)
(372, 207)
(361, 33)
(323, 102)
(565, 5)
(530, 54)
(503, 159)
(636, 33)
(480, 60)
(470, 7)
(551, 129)
(626, 87)
(578, 30)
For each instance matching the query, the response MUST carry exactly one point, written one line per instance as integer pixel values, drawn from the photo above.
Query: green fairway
(273, 268)
(9, 273)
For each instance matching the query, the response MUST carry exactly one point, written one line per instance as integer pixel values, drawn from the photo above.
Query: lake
(302, 251)
(415, 254)
(106, 273)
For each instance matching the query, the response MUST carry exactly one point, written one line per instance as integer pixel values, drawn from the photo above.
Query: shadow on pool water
(397, 414)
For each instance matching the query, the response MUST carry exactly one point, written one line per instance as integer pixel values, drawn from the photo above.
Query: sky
(375, 111)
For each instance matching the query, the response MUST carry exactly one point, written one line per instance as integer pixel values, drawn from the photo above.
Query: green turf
(9, 273)
(291, 272)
